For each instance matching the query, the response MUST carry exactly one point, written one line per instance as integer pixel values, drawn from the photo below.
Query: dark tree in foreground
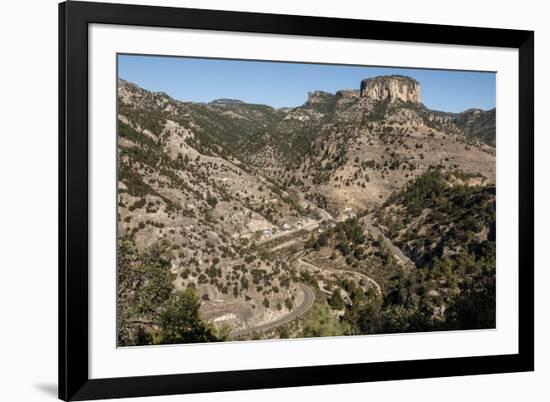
(144, 285)
(149, 310)
(475, 308)
(180, 321)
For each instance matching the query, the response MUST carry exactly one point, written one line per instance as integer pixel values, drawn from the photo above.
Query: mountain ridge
(341, 93)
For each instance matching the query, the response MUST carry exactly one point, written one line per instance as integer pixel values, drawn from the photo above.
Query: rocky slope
(221, 181)
(353, 148)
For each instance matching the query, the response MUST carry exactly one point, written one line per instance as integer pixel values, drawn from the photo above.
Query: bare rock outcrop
(392, 87)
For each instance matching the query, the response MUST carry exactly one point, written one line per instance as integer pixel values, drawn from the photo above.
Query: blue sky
(287, 84)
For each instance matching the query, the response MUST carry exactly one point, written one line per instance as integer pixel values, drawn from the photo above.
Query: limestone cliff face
(392, 87)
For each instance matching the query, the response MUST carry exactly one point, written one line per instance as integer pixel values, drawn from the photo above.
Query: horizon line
(288, 107)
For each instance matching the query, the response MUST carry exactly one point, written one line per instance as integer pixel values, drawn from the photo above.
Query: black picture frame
(74, 381)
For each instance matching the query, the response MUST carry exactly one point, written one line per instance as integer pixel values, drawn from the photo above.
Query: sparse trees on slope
(320, 322)
(148, 308)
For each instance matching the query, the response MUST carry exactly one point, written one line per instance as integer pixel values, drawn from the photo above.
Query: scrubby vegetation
(149, 309)
(449, 231)
(226, 210)
(434, 219)
(320, 322)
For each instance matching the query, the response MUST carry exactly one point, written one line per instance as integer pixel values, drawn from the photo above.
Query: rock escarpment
(392, 87)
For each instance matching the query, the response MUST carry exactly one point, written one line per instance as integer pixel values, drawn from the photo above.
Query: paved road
(309, 299)
(367, 220)
(340, 272)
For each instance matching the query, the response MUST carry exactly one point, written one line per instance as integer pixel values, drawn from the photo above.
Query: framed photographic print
(257, 201)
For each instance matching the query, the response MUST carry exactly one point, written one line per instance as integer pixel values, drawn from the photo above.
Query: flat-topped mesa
(392, 87)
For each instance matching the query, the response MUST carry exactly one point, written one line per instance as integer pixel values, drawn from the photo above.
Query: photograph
(212, 201)
(269, 200)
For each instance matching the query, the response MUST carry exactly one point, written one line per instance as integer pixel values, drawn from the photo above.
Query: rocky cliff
(392, 87)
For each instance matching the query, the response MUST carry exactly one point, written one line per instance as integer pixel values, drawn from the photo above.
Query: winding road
(340, 272)
(309, 294)
(309, 299)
